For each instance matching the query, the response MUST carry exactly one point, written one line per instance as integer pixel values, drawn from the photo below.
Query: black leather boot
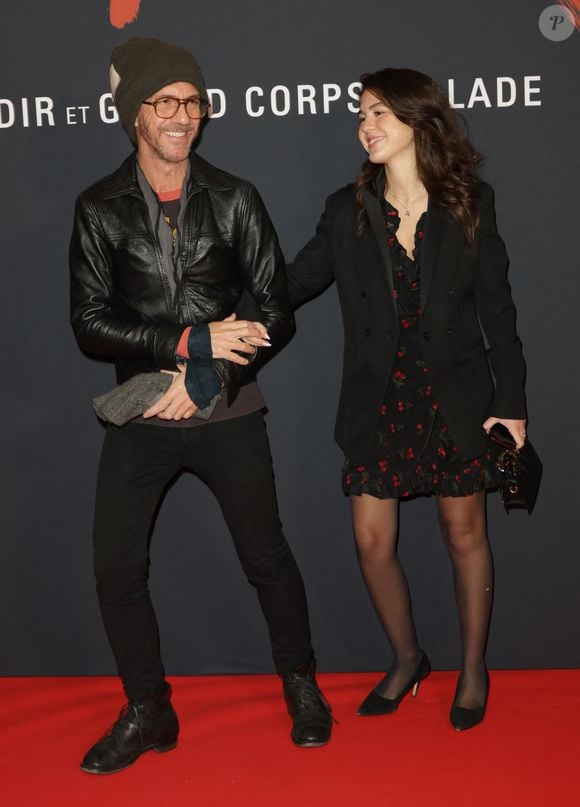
(148, 725)
(307, 707)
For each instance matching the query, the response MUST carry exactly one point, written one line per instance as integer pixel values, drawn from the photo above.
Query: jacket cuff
(199, 346)
(202, 384)
(508, 368)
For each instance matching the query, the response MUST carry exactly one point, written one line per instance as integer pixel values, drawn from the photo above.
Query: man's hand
(517, 428)
(231, 335)
(175, 403)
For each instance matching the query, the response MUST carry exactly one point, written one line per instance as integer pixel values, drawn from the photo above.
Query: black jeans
(233, 458)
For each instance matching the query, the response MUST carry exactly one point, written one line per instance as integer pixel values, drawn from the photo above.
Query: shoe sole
(160, 749)
(311, 745)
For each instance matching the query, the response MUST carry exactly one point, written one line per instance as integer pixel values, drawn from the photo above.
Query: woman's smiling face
(382, 135)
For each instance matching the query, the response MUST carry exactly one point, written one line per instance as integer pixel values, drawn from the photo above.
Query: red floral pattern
(414, 452)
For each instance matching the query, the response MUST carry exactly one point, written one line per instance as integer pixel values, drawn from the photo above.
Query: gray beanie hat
(140, 67)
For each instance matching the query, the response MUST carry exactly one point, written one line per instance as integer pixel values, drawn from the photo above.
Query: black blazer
(462, 293)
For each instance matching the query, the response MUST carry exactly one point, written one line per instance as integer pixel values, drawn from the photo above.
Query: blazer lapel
(377, 225)
(431, 242)
(430, 249)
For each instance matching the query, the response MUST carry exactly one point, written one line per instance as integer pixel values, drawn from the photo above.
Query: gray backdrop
(57, 141)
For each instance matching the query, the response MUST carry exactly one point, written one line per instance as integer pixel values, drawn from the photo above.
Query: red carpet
(235, 749)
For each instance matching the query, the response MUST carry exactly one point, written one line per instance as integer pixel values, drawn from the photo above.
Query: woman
(420, 271)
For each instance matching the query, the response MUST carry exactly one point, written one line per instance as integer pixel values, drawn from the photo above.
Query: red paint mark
(123, 12)
(573, 7)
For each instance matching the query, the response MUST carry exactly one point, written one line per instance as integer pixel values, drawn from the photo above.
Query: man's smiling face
(167, 139)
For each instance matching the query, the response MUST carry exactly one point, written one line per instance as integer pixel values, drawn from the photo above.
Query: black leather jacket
(122, 305)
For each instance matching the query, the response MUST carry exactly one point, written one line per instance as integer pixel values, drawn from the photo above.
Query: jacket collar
(430, 248)
(201, 175)
(436, 218)
(374, 212)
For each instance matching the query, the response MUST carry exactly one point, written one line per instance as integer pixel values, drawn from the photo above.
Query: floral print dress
(414, 452)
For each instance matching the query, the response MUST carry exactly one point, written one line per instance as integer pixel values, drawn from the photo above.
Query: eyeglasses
(167, 107)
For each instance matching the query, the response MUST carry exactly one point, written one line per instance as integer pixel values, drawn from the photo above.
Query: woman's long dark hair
(446, 160)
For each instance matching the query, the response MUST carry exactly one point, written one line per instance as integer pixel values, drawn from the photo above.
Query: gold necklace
(406, 205)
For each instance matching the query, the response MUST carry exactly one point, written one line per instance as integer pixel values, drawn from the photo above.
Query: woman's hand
(517, 428)
(231, 335)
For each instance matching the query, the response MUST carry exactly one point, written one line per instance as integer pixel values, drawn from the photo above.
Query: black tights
(463, 527)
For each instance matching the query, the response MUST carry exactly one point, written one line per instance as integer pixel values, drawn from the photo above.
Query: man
(161, 252)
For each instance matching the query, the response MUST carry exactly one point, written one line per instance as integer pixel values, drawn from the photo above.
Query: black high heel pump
(375, 704)
(462, 718)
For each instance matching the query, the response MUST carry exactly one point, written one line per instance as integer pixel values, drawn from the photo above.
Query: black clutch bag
(520, 470)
